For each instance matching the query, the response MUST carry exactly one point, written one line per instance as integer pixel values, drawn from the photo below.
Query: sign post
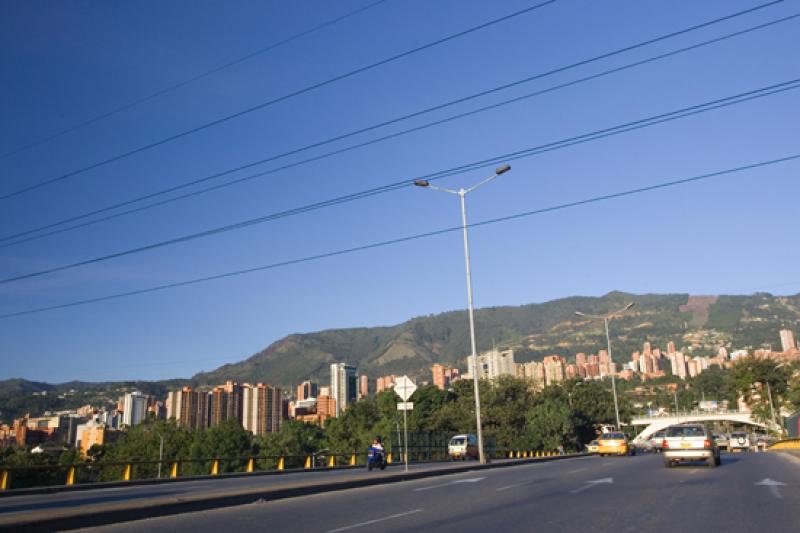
(404, 388)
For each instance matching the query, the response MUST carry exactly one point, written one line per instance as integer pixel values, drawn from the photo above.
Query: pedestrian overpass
(653, 424)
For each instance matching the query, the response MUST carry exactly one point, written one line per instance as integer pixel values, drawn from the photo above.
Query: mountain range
(699, 325)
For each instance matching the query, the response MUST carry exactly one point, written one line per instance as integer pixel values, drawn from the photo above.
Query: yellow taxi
(613, 443)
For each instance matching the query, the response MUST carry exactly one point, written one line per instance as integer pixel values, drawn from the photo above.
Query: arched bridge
(657, 423)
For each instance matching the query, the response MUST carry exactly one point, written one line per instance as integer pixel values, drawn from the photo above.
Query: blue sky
(67, 62)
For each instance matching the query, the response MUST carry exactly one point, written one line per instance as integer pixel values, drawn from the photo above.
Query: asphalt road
(748, 493)
(11, 505)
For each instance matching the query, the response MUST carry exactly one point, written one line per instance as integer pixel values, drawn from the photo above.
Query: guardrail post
(173, 469)
(281, 463)
(71, 475)
(331, 461)
(5, 480)
(126, 474)
(308, 462)
(353, 460)
(250, 465)
(215, 467)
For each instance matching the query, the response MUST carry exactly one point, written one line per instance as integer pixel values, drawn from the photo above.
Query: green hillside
(700, 325)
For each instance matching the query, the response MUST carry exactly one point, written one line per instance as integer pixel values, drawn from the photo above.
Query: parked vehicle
(689, 442)
(463, 447)
(614, 443)
(739, 442)
(592, 447)
(376, 458)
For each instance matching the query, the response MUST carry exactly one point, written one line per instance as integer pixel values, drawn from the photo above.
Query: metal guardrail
(18, 477)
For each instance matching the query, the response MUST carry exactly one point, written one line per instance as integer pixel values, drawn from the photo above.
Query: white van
(463, 447)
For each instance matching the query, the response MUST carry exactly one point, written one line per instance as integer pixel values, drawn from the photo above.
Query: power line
(191, 80)
(276, 100)
(409, 238)
(379, 139)
(528, 152)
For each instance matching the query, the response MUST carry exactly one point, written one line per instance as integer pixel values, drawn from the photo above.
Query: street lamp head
(421, 183)
(502, 170)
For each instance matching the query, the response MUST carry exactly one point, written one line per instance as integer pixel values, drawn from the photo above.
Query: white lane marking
(594, 482)
(773, 486)
(370, 522)
(515, 485)
(576, 471)
(468, 480)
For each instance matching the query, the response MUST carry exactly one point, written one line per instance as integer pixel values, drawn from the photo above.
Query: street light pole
(462, 193)
(605, 319)
(613, 378)
(160, 454)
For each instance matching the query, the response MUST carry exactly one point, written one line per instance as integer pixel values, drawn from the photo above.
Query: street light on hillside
(461, 193)
(605, 318)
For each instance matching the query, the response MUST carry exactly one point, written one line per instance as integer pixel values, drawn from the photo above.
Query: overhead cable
(528, 152)
(409, 238)
(191, 80)
(17, 237)
(272, 101)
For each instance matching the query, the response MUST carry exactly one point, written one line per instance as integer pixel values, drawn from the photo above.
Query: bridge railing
(19, 477)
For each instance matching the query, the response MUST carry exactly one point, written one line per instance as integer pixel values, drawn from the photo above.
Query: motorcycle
(376, 458)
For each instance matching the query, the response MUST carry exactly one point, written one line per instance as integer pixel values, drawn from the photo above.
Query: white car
(739, 442)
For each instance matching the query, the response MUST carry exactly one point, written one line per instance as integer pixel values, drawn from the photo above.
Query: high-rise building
(225, 403)
(384, 382)
(89, 434)
(494, 363)
(443, 376)
(262, 409)
(326, 407)
(134, 408)
(306, 390)
(670, 347)
(580, 359)
(787, 340)
(363, 386)
(188, 407)
(678, 362)
(344, 385)
(554, 371)
(646, 349)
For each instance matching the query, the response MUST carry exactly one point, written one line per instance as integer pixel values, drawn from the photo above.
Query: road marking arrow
(594, 482)
(773, 486)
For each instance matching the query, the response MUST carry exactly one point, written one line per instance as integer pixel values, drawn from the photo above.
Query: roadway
(749, 492)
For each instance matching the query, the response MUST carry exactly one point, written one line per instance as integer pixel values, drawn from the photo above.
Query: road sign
(405, 406)
(404, 387)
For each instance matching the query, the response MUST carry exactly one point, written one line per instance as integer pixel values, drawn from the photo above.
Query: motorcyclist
(376, 443)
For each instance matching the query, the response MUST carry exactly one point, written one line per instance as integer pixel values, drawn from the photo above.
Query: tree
(550, 422)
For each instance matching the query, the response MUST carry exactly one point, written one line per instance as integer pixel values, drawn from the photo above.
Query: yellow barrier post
(308, 462)
(250, 465)
(389, 458)
(126, 474)
(215, 467)
(517, 454)
(71, 475)
(281, 463)
(331, 461)
(173, 469)
(5, 479)
(353, 460)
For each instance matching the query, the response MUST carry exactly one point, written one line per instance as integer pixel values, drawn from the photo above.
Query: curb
(80, 517)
